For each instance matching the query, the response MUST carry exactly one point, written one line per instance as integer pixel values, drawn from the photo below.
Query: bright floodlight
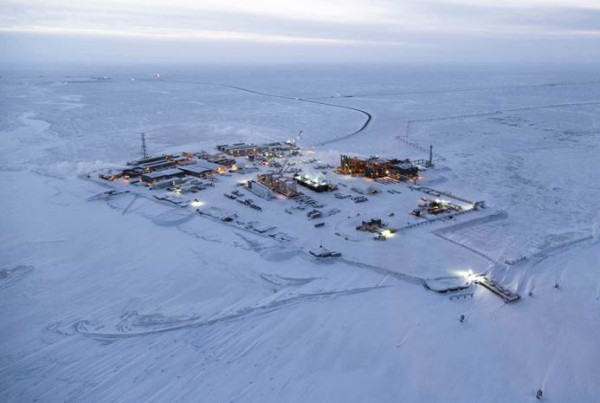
(387, 233)
(467, 274)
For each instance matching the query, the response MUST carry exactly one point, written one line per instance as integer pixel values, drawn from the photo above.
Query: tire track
(441, 233)
(385, 272)
(470, 249)
(409, 123)
(11, 277)
(130, 204)
(82, 327)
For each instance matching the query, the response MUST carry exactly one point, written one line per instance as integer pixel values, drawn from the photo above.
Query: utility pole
(144, 150)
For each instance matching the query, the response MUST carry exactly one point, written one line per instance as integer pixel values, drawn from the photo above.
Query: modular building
(151, 160)
(313, 184)
(221, 160)
(158, 176)
(278, 183)
(322, 252)
(260, 190)
(240, 149)
(404, 169)
(218, 158)
(278, 148)
(158, 165)
(167, 183)
(147, 165)
(202, 169)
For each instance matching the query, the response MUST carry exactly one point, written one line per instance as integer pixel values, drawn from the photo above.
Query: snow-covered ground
(131, 300)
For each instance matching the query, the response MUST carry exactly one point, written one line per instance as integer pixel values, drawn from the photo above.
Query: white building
(260, 190)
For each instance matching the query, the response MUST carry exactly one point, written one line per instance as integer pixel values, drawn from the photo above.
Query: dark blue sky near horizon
(561, 32)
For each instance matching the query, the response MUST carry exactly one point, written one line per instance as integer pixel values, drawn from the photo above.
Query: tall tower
(144, 150)
(430, 162)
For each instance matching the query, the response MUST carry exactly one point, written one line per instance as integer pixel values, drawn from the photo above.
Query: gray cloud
(541, 20)
(386, 30)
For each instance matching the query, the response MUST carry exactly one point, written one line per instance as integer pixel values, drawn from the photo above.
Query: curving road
(366, 123)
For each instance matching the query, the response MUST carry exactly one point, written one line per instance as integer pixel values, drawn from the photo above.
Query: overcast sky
(214, 31)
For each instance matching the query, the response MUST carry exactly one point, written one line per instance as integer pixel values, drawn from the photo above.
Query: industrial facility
(153, 164)
(244, 150)
(314, 183)
(278, 183)
(374, 167)
(279, 173)
(166, 170)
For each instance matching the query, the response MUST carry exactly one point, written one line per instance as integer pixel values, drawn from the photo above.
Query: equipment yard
(316, 204)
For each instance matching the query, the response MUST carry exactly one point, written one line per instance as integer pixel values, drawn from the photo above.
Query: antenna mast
(430, 162)
(144, 150)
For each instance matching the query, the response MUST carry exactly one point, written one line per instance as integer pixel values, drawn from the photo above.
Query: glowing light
(387, 233)
(467, 274)
(196, 203)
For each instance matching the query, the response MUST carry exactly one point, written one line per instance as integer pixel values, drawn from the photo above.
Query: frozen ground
(122, 301)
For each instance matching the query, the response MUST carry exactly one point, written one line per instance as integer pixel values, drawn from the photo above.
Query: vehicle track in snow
(385, 272)
(258, 247)
(409, 123)
(129, 205)
(368, 116)
(158, 324)
(11, 277)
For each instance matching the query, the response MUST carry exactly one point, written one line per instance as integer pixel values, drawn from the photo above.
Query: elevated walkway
(506, 295)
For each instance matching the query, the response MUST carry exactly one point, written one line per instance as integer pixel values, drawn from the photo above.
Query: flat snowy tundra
(125, 299)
